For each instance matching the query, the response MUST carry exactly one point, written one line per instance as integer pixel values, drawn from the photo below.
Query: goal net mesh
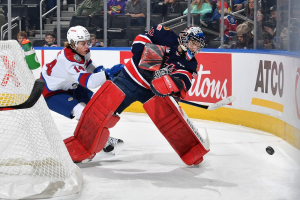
(33, 156)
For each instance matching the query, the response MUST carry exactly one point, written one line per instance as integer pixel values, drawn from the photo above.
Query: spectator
(170, 6)
(116, 7)
(90, 7)
(239, 4)
(200, 6)
(244, 36)
(50, 39)
(138, 11)
(230, 23)
(249, 11)
(212, 23)
(22, 35)
(216, 15)
(94, 42)
(2, 17)
(268, 40)
(270, 26)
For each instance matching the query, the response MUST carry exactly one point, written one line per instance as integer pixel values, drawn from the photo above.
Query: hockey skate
(111, 143)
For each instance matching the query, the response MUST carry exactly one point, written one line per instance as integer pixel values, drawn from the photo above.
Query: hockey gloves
(114, 71)
(110, 72)
(168, 85)
(99, 69)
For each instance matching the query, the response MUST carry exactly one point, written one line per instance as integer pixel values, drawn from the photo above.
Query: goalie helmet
(76, 34)
(191, 34)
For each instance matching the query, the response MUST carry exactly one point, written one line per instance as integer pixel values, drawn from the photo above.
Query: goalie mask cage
(34, 162)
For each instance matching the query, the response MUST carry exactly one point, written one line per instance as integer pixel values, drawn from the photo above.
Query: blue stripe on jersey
(83, 78)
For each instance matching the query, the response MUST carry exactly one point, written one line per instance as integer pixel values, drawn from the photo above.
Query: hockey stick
(36, 92)
(213, 106)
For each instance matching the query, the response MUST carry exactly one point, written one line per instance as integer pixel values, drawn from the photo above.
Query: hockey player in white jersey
(68, 77)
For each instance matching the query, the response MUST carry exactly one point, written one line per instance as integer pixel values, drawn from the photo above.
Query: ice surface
(237, 166)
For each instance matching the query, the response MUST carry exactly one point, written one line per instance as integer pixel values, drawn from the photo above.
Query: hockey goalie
(162, 67)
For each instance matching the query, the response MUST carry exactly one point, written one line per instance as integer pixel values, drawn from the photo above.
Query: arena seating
(119, 43)
(82, 20)
(133, 31)
(119, 26)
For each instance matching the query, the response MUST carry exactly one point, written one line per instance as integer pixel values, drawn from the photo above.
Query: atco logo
(297, 93)
(270, 75)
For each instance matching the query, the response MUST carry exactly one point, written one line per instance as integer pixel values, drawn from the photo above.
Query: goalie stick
(213, 106)
(36, 92)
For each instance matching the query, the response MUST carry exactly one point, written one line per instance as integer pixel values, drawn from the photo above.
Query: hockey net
(34, 162)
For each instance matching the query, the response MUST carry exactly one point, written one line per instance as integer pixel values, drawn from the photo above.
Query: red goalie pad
(92, 132)
(152, 57)
(177, 128)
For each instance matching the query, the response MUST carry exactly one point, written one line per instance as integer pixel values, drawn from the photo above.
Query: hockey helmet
(76, 34)
(191, 34)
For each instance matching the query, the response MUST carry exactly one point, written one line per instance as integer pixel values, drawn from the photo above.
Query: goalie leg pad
(92, 132)
(177, 128)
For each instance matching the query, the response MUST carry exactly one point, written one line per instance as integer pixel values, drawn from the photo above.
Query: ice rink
(237, 166)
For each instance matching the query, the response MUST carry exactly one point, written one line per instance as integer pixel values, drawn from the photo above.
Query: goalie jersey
(68, 70)
(177, 64)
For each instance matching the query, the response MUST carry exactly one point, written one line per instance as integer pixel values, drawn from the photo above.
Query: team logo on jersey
(166, 28)
(74, 85)
(77, 58)
(159, 26)
(168, 50)
(70, 99)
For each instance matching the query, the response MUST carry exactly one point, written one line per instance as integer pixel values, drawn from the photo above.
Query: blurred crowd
(268, 26)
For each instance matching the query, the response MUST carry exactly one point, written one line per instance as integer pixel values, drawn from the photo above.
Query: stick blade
(221, 103)
(36, 92)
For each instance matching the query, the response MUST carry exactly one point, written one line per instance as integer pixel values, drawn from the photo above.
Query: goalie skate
(178, 129)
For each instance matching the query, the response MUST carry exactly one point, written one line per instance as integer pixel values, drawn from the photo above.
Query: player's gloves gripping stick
(168, 85)
(110, 73)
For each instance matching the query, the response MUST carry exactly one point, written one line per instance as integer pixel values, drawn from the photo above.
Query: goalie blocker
(178, 129)
(97, 117)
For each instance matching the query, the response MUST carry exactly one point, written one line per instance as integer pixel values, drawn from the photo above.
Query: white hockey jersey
(68, 70)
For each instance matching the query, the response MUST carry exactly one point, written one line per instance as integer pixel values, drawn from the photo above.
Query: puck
(270, 150)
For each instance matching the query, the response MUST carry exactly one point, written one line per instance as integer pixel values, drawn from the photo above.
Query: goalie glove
(168, 85)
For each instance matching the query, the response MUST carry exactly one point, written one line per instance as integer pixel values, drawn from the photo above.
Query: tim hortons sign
(214, 80)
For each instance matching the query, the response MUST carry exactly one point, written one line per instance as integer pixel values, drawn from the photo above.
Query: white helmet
(76, 34)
